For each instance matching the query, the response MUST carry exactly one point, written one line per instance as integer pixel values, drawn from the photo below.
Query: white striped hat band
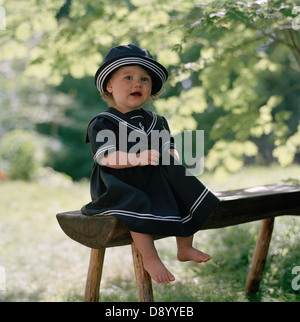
(148, 65)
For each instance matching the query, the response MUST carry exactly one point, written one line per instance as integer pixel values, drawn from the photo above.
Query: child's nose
(137, 83)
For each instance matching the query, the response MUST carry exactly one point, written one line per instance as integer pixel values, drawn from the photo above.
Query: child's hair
(108, 98)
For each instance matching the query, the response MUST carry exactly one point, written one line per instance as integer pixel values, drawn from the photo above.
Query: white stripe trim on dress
(199, 200)
(154, 120)
(104, 149)
(155, 217)
(131, 126)
(139, 215)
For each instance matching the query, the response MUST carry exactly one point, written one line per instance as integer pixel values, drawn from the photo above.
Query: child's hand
(121, 160)
(148, 157)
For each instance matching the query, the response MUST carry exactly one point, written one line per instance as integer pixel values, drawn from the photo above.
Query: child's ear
(109, 87)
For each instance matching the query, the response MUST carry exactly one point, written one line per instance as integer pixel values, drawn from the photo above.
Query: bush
(19, 152)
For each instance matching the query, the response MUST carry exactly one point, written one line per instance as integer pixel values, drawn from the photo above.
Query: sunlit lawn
(42, 264)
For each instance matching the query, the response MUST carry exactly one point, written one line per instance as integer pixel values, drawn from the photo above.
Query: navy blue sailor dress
(156, 200)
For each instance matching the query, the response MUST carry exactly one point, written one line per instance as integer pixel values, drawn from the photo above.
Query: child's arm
(121, 160)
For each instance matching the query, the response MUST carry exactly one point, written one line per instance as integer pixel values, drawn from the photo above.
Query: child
(150, 196)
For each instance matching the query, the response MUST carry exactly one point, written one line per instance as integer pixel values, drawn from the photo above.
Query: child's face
(130, 87)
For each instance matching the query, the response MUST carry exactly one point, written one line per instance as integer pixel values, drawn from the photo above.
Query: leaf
(23, 31)
(13, 50)
(250, 149)
(168, 57)
(274, 100)
(233, 164)
(284, 154)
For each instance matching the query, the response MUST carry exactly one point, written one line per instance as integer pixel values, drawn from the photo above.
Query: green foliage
(242, 47)
(18, 148)
(234, 69)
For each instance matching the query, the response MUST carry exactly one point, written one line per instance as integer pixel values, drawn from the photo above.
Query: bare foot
(191, 254)
(157, 270)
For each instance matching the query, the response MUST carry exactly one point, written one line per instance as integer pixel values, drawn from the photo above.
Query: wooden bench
(236, 207)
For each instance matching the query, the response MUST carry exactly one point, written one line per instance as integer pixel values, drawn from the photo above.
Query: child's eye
(128, 77)
(144, 79)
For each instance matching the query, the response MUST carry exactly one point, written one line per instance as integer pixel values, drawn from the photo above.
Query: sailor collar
(117, 117)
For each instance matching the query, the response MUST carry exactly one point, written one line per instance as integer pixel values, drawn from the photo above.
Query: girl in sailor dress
(136, 176)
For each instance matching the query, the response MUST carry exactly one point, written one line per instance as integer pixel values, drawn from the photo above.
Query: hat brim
(158, 72)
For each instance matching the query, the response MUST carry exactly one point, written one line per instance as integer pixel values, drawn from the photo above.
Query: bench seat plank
(236, 207)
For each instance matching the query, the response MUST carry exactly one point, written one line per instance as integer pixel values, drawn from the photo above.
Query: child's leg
(151, 260)
(186, 251)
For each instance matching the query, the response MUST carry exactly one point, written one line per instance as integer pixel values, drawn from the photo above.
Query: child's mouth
(136, 94)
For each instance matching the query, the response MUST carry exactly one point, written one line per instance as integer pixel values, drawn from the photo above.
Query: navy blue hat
(130, 55)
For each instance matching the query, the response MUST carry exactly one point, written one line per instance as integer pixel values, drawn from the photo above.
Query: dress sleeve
(103, 138)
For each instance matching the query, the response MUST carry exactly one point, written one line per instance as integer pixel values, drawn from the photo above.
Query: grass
(42, 264)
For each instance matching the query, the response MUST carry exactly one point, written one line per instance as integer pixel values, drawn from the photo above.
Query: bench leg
(93, 280)
(260, 254)
(143, 279)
